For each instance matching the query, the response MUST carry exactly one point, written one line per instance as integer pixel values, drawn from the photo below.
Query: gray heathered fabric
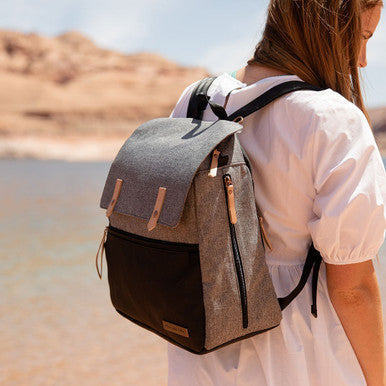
(185, 232)
(220, 285)
(159, 153)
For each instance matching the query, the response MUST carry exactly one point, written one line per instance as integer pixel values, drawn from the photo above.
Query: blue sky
(218, 35)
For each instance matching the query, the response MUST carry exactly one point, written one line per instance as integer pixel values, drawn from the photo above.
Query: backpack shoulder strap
(198, 99)
(270, 95)
(313, 261)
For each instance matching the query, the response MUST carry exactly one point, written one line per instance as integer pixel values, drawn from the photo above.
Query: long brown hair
(318, 40)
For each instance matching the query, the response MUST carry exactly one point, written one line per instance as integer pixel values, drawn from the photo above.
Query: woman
(318, 176)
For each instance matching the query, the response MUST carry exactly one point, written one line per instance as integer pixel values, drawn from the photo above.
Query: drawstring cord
(100, 252)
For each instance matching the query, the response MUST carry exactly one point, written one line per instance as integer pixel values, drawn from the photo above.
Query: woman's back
(294, 144)
(308, 151)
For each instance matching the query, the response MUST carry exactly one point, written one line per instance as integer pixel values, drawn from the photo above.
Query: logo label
(175, 329)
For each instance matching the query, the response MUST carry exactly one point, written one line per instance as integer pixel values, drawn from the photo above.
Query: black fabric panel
(153, 281)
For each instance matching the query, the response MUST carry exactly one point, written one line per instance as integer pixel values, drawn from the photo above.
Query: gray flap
(164, 152)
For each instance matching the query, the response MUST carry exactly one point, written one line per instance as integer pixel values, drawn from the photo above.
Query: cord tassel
(264, 234)
(100, 252)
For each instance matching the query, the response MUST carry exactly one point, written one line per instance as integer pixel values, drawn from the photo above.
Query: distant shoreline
(65, 149)
(76, 148)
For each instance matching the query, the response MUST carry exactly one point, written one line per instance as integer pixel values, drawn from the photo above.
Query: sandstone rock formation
(64, 92)
(65, 87)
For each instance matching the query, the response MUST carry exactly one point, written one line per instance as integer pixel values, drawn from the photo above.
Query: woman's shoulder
(323, 119)
(325, 112)
(325, 109)
(221, 86)
(325, 104)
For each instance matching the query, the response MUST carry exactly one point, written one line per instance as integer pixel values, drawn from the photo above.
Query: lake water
(56, 320)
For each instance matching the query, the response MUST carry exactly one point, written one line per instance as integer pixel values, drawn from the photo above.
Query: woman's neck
(252, 73)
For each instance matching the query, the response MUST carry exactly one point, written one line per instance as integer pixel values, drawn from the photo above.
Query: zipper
(151, 243)
(232, 218)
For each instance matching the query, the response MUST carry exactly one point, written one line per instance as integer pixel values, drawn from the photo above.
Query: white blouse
(318, 177)
(317, 169)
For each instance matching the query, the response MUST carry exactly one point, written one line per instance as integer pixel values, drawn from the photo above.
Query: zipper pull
(264, 234)
(214, 164)
(231, 199)
(100, 252)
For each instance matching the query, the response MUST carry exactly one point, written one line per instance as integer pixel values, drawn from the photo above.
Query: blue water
(49, 221)
(50, 218)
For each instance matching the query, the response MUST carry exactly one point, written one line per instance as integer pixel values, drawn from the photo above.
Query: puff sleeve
(350, 187)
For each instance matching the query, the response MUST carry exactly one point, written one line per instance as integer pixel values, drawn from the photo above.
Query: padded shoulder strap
(270, 95)
(198, 100)
(313, 261)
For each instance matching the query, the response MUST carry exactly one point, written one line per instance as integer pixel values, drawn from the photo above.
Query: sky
(217, 35)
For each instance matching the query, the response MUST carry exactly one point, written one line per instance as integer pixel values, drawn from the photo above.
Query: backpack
(184, 245)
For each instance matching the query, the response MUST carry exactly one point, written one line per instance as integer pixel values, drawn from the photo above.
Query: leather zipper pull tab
(264, 234)
(100, 252)
(231, 199)
(214, 163)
